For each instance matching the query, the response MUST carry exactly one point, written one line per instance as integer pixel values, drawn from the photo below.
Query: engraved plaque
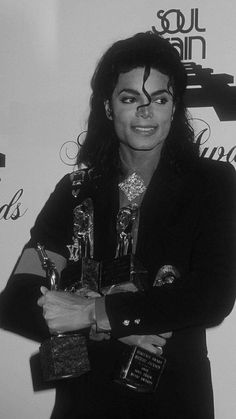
(140, 370)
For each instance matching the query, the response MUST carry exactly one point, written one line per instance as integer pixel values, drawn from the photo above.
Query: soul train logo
(205, 89)
(173, 21)
(11, 210)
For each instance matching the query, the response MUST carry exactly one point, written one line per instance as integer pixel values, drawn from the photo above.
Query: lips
(144, 130)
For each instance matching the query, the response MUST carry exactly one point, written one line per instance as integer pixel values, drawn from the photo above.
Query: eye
(161, 100)
(128, 99)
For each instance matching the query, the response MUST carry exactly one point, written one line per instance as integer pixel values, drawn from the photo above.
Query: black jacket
(187, 220)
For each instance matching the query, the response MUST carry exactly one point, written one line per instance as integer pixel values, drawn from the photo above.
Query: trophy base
(64, 356)
(83, 274)
(90, 272)
(140, 370)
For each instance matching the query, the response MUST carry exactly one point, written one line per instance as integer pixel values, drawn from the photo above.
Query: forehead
(134, 79)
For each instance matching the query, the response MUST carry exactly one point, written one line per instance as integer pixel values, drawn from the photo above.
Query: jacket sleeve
(19, 311)
(206, 293)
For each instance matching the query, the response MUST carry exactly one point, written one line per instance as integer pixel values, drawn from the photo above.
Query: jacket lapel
(106, 203)
(158, 212)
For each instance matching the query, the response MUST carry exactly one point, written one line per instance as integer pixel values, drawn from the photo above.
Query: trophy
(125, 268)
(65, 355)
(82, 249)
(138, 368)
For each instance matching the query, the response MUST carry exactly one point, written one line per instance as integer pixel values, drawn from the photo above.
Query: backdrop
(48, 51)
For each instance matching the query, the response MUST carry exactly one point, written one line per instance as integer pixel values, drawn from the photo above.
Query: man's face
(144, 128)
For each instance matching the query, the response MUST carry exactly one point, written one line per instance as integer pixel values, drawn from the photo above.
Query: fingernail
(43, 290)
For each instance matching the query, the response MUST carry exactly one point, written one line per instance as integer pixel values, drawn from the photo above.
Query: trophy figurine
(82, 249)
(125, 268)
(65, 355)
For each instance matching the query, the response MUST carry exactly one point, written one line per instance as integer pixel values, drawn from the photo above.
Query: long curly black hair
(100, 149)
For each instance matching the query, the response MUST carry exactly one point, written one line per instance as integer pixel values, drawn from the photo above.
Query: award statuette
(65, 355)
(125, 267)
(62, 355)
(82, 249)
(139, 369)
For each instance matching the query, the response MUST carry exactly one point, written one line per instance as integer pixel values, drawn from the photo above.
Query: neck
(143, 161)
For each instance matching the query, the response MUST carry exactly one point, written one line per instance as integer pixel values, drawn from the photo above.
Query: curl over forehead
(145, 49)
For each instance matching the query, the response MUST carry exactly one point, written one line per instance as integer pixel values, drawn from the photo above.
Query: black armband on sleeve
(19, 312)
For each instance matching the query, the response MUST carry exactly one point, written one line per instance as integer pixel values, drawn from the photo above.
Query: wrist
(102, 321)
(92, 314)
(91, 311)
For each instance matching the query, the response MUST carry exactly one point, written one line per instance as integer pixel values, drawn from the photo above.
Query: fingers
(56, 326)
(154, 340)
(126, 287)
(64, 312)
(152, 343)
(166, 335)
(51, 313)
(157, 350)
(43, 290)
(85, 292)
(53, 297)
(41, 300)
(93, 335)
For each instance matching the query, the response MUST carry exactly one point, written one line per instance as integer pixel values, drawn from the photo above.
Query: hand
(86, 292)
(152, 343)
(98, 336)
(65, 312)
(125, 287)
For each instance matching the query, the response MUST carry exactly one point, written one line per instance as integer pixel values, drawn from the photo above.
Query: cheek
(167, 123)
(164, 126)
(166, 120)
(121, 121)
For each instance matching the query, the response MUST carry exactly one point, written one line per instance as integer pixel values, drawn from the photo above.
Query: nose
(145, 111)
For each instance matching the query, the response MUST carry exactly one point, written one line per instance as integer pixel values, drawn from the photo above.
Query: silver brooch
(132, 186)
(167, 274)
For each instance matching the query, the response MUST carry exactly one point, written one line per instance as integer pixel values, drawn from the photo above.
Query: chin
(147, 147)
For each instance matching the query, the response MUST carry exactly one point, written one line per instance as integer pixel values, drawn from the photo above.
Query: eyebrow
(137, 93)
